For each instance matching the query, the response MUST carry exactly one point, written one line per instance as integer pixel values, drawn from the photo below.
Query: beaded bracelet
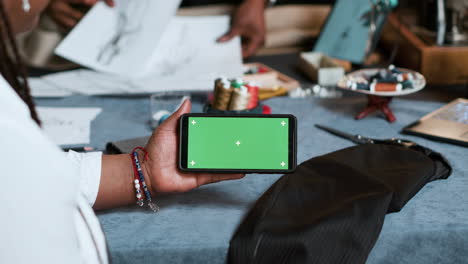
(139, 175)
(136, 181)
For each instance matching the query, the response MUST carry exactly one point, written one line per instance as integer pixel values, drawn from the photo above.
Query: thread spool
(404, 77)
(388, 79)
(394, 69)
(361, 86)
(222, 94)
(253, 91)
(407, 84)
(240, 99)
(385, 87)
(354, 85)
(237, 83)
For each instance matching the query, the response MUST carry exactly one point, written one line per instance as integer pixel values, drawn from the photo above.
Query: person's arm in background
(66, 12)
(248, 21)
(160, 169)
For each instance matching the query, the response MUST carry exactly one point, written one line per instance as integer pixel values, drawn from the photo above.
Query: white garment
(46, 196)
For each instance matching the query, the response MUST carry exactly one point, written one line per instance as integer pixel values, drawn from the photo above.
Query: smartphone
(240, 143)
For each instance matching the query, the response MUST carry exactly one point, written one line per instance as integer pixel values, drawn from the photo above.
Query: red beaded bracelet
(137, 184)
(138, 175)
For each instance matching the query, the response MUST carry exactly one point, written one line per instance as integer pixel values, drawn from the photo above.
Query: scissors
(359, 139)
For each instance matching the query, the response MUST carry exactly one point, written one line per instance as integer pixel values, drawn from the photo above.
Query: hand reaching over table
(248, 21)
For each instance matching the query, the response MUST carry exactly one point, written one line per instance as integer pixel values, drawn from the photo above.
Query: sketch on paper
(180, 50)
(185, 55)
(127, 27)
(119, 40)
(68, 125)
(189, 49)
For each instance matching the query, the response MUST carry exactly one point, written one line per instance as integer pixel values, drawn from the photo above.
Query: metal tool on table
(359, 139)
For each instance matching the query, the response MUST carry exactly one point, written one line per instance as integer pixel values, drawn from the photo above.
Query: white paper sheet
(42, 88)
(188, 58)
(119, 40)
(89, 82)
(189, 49)
(68, 125)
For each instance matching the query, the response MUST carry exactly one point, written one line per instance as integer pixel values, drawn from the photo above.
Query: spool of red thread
(385, 87)
(253, 91)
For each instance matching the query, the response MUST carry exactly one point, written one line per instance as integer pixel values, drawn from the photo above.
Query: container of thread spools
(391, 81)
(381, 85)
(234, 96)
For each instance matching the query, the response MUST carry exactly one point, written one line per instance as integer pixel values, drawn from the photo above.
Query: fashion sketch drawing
(129, 23)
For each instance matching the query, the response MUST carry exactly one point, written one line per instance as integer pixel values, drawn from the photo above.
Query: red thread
(253, 90)
(142, 149)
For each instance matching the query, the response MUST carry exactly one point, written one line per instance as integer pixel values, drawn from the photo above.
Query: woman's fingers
(207, 178)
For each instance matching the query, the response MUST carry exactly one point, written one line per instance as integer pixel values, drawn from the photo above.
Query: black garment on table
(331, 210)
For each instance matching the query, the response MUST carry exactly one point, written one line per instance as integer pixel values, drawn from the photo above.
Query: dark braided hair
(11, 66)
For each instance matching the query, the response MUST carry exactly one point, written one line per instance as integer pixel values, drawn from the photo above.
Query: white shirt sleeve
(88, 166)
(44, 219)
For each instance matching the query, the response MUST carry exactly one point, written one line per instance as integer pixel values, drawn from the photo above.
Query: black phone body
(238, 143)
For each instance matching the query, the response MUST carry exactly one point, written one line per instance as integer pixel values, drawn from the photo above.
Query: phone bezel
(292, 150)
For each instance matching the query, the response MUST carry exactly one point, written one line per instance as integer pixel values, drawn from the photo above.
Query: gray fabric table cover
(196, 227)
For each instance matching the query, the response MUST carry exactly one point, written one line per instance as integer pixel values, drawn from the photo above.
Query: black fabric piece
(331, 210)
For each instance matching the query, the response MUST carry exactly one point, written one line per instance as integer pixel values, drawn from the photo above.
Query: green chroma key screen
(238, 143)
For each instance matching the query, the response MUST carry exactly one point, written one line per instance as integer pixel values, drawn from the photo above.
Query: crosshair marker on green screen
(238, 143)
